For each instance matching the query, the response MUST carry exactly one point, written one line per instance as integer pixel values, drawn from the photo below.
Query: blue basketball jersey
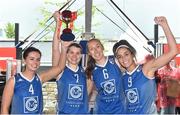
(108, 81)
(27, 98)
(72, 92)
(140, 92)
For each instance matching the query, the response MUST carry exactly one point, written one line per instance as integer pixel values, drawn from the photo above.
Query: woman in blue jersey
(106, 76)
(139, 80)
(71, 83)
(24, 90)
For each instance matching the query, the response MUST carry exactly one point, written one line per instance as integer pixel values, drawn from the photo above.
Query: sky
(141, 12)
(23, 12)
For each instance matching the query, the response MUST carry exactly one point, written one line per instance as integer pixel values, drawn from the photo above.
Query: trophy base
(67, 37)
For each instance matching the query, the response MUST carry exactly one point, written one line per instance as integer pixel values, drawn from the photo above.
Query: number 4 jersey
(27, 98)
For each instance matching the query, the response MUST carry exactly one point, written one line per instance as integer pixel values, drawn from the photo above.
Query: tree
(9, 30)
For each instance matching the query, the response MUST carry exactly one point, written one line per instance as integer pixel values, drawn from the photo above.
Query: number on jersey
(129, 81)
(77, 77)
(31, 90)
(105, 73)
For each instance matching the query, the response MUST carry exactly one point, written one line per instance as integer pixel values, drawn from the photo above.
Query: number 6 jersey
(108, 81)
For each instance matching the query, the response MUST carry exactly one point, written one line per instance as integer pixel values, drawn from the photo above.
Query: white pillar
(18, 64)
(8, 68)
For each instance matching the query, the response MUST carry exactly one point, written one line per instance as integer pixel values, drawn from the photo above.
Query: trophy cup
(67, 34)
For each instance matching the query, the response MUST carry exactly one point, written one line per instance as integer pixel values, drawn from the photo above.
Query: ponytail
(90, 67)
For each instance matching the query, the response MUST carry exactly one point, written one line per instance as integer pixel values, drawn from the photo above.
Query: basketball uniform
(27, 98)
(72, 92)
(140, 92)
(108, 81)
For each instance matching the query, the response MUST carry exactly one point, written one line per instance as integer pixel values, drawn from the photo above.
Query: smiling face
(95, 49)
(74, 55)
(32, 61)
(125, 58)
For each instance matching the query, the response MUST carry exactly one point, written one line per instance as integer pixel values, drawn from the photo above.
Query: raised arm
(54, 71)
(56, 41)
(162, 60)
(7, 96)
(59, 49)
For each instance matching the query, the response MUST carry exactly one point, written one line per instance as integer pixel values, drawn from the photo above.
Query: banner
(177, 58)
(6, 53)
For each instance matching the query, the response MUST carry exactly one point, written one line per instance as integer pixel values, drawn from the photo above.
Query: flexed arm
(162, 60)
(173, 50)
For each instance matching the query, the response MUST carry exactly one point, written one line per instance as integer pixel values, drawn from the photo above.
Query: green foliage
(10, 30)
(45, 12)
(77, 29)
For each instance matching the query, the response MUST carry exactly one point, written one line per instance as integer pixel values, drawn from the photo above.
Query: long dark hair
(91, 62)
(90, 66)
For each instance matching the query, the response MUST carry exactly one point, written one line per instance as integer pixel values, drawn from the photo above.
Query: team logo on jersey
(19, 80)
(111, 60)
(109, 87)
(123, 73)
(138, 70)
(30, 104)
(82, 70)
(132, 95)
(75, 92)
(95, 68)
(37, 79)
